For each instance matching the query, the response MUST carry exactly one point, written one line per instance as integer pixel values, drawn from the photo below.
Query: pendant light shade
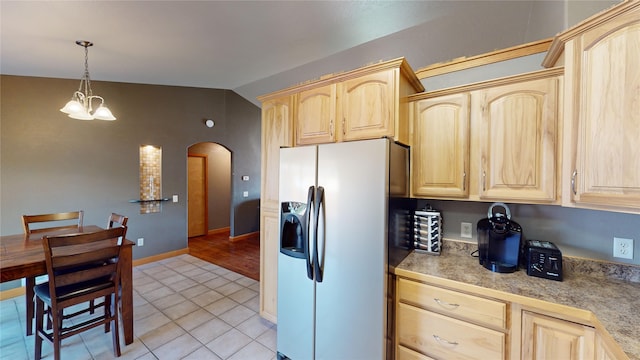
(81, 104)
(103, 113)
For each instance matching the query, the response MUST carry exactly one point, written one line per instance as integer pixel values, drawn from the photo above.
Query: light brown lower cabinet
(545, 337)
(440, 323)
(604, 351)
(434, 321)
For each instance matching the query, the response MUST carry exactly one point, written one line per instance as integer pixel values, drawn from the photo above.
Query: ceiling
(255, 47)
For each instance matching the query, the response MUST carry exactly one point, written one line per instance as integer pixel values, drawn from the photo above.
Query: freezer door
(298, 172)
(295, 290)
(351, 299)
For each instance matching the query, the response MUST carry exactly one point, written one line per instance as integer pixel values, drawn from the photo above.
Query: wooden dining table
(23, 256)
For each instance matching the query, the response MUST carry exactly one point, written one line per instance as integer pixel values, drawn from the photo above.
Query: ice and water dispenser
(293, 225)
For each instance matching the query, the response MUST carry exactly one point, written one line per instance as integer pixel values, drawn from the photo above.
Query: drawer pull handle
(445, 342)
(445, 304)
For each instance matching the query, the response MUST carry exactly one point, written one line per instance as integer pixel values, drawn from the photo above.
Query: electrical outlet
(140, 241)
(623, 248)
(466, 230)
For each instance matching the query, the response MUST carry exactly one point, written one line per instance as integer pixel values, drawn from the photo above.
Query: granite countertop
(613, 298)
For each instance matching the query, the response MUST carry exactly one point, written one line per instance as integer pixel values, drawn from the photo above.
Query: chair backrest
(77, 258)
(116, 220)
(28, 220)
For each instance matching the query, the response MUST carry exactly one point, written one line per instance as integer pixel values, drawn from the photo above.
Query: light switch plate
(175, 198)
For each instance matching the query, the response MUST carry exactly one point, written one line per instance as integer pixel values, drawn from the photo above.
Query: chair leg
(39, 321)
(57, 325)
(29, 294)
(116, 328)
(107, 313)
(92, 307)
(49, 324)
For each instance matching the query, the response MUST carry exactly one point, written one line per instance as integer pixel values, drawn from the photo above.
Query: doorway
(209, 189)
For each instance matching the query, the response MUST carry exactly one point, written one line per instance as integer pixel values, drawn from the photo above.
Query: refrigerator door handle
(307, 252)
(319, 206)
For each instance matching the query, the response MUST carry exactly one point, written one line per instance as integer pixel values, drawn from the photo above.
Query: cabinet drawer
(443, 337)
(467, 307)
(408, 354)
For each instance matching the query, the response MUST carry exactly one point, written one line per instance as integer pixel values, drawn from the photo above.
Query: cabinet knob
(573, 182)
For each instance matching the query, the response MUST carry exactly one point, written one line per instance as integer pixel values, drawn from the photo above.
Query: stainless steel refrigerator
(340, 226)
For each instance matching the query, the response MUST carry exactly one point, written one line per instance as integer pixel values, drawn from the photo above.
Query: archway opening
(209, 189)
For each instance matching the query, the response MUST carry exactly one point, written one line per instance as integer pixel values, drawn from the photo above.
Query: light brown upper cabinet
(367, 106)
(601, 56)
(365, 103)
(495, 140)
(516, 133)
(277, 131)
(440, 152)
(316, 115)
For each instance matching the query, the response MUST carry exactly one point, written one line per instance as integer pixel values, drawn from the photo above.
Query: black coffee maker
(499, 240)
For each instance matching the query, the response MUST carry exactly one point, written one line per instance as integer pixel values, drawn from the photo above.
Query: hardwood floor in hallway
(241, 256)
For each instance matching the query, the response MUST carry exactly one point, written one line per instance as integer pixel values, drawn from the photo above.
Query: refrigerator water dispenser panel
(293, 227)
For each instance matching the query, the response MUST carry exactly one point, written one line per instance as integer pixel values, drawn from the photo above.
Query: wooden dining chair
(51, 222)
(117, 220)
(97, 254)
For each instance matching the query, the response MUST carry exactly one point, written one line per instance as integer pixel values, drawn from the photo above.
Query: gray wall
(52, 163)
(218, 183)
(577, 232)
(485, 27)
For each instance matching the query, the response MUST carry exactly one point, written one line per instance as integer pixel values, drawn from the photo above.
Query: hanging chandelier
(81, 104)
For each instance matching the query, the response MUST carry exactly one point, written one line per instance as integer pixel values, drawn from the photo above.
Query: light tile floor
(184, 308)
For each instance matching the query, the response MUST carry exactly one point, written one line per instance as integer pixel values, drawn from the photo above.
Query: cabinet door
(545, 337)
(277, 131)
(366, 106)
(603, 351)
(440, 154)
(269, 247)
(315, 115)
(517, 140)
(606, 69)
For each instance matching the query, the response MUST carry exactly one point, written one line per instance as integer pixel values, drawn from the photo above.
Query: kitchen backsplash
(578, 233)
(570, 264)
